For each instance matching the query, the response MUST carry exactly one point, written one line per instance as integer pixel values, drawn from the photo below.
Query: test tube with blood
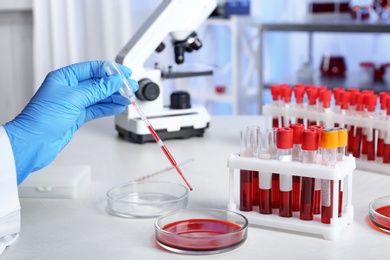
(253, 144)
(299, 92)
(284, 143)
(267, 151)
(344, 102)
(357, 137)
(337, 98)
(317, 182)
(286, 101)
(321, 90)
(312, 94)
(381, 133)
(329, 145)
(371, 107)
(341, 152)
(309, 156)
(366, 96)
(296, 157)
(275, 191)
(326, 98)
(275, 93)
(246, 177)
(386, 145)
(351, 111)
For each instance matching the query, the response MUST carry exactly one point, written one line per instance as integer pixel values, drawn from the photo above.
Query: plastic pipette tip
(182, 176)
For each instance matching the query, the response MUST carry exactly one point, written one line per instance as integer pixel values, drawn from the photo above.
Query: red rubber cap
(371, 102)
(319, 129)
(286, 93)
(312, 94)
(297, 132)
(284, 138)
(344, 99)
(326, 98)
(337, 94)
(299, 92)
(275, 92)
(310, 140)
(352, 99)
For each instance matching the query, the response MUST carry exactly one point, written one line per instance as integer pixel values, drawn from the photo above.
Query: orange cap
(343, 136)
(329, 139)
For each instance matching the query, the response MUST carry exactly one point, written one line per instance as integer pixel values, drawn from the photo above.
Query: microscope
(177, 19)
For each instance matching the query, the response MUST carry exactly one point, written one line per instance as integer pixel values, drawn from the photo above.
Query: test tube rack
(329, 119)
(341, 171)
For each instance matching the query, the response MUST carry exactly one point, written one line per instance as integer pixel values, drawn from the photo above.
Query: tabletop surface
(82, 229)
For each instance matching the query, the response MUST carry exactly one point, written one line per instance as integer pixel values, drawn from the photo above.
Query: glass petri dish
(379, 211)
(201, 231)
(146, 199)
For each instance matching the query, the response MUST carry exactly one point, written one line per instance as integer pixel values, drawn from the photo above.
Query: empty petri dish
(201, 231)
(146, 199)
(379, 210)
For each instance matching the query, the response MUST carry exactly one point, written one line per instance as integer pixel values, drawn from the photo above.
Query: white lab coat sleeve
(9, 198)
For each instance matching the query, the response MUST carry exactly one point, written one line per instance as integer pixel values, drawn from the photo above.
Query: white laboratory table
(82, 229)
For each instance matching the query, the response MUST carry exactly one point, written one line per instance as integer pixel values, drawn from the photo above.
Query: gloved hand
(68, 98)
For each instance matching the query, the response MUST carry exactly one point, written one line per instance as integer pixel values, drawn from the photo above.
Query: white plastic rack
(341, 171)
(331, 117)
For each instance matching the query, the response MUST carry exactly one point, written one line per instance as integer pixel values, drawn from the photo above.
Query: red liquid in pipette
(168, 154)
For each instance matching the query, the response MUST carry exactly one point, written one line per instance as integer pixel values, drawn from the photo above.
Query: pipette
(127, 91)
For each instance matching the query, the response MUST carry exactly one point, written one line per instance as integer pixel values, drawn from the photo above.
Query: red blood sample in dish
(381, 221)
(201, 228)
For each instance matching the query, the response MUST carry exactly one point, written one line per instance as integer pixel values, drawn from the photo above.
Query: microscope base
(170, 124)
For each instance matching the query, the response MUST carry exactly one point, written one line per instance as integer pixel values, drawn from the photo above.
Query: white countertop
(82, 229)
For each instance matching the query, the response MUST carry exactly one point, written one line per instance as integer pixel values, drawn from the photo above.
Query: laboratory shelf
(311, 27)
(342, 171)
(330, 118)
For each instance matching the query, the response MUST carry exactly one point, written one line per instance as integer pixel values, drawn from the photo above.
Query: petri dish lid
(146, 199)
(379, 211)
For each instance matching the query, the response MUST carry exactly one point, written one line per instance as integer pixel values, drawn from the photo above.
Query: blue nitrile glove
(68, 98)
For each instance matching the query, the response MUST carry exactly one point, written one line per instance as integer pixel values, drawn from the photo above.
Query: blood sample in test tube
(296, 157)
(321, 91)
(341, 152)
(284, 143)
(351, 111)
(286, 92)
(253, 146)
(267, 151)
(275, 93)
(358, 130)
(299, 93)
(326, 98)
(312, 94)
(381, 133)
(246, 178)
(386, 145)
(317, 184)
(275, 176)
(337, 99)
(371, 107)
(309, 156)
(329, 145)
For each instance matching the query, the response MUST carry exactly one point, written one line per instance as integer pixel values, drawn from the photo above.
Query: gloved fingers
(102, 110)
(117, 99)
(73, 74)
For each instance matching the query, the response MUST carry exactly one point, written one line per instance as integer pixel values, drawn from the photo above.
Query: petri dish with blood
(201, 231)
(379, 211)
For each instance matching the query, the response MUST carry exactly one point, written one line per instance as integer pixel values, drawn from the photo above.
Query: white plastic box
(341, 171)
(59, 182)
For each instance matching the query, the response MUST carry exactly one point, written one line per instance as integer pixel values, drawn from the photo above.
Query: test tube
(351, 111)
(284, 143)
(286, 100)
(275, 176)
(246, 178)
(275, 93)
(253, 143)
(299, 92)
(383, 96)
(312, 94)
(358, 131)
(329, 145)
(266, 152)
(309, 156)
(317, 184)
(296, 157)
(341, 152)
(386, 142)
(326, 98)
(371, 107)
